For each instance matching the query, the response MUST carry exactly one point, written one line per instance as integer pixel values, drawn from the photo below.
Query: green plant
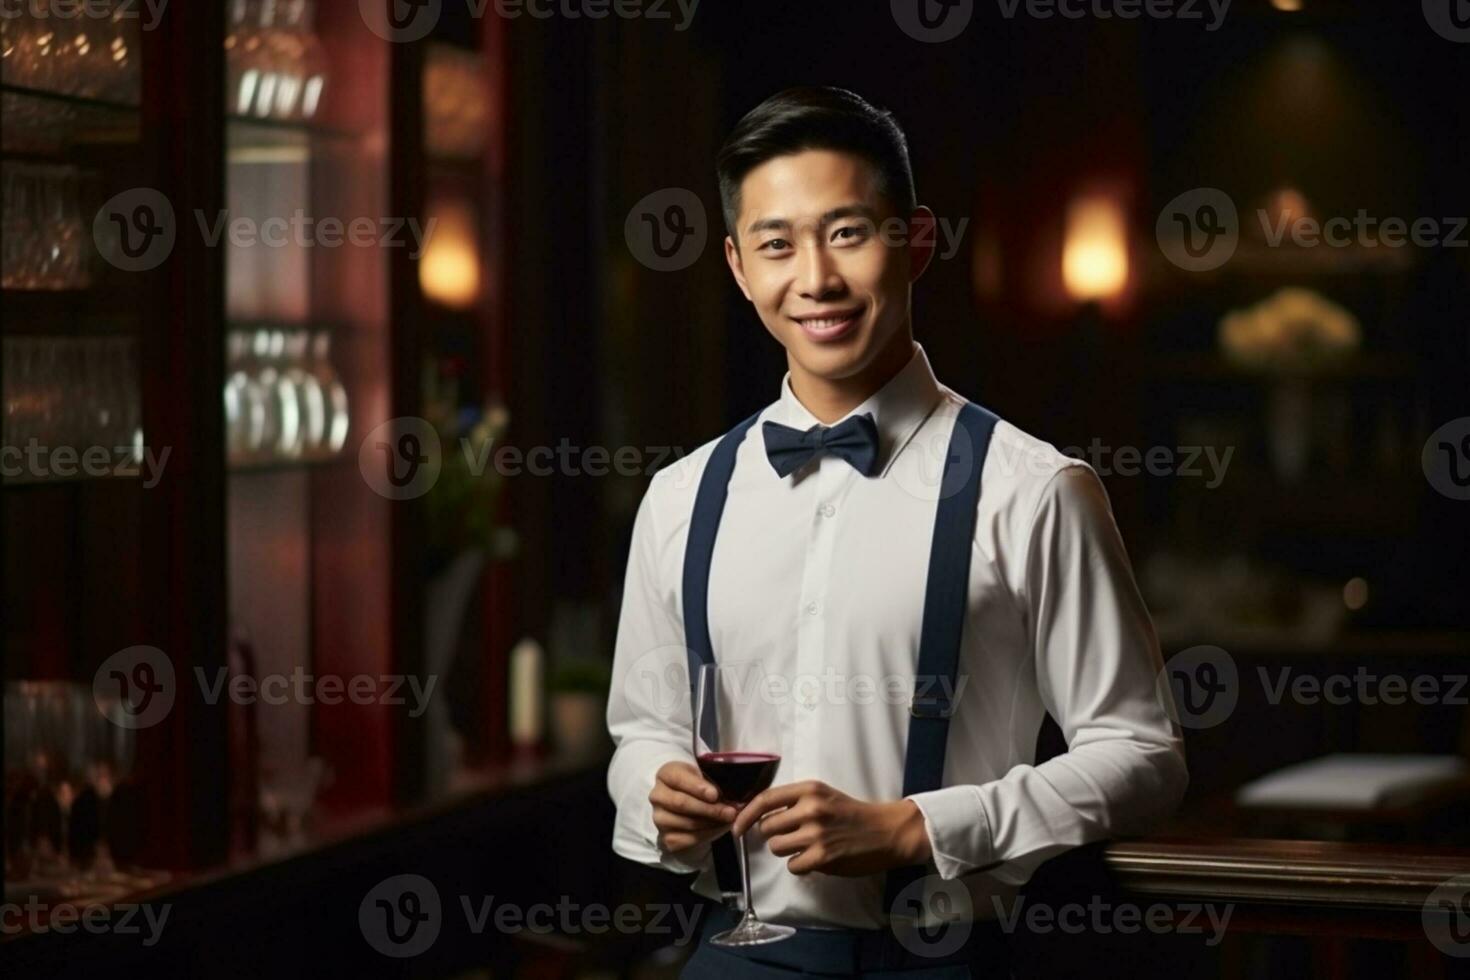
(461, 511)
(586, 675)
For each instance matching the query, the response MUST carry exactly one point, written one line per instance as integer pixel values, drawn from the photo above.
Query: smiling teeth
(826, 322)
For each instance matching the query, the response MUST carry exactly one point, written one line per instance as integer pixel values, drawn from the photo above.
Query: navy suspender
(709, 506)
(942, 628)
(945, 606)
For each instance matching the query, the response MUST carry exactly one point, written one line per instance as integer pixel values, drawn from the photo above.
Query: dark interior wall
(1005, 123)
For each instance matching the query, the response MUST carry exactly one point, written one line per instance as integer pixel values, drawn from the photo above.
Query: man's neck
(829, 399)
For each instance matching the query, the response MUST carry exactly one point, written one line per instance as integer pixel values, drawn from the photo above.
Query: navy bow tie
(855, 440)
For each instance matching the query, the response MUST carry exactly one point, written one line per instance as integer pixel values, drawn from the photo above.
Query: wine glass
(111, 753)
(737, 743)
(22, 781)
(62, 735)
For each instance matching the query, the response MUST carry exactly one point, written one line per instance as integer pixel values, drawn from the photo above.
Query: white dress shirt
(821, 575)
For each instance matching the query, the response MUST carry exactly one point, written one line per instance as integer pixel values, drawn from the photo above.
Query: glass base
(751, 931)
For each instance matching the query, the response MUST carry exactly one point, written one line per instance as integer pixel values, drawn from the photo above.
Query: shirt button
(811, 608)
(828, 510)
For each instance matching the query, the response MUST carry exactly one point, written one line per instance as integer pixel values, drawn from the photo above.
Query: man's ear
(732, 258)
(923, 241)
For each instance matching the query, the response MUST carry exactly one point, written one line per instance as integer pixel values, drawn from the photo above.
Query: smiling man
(922, 580)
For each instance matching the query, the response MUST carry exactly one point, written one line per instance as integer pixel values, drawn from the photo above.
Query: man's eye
(850, 233)
(774, 245)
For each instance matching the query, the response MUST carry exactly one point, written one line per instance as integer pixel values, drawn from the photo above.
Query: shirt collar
(898, 408)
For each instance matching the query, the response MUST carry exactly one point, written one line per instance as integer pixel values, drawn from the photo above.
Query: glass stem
(749, 915)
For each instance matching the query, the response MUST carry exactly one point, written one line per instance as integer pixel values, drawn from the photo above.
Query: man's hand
(686, 808)
(828, 831)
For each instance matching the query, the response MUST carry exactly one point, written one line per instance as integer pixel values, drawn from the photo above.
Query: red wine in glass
(739, 776)
(737, 743)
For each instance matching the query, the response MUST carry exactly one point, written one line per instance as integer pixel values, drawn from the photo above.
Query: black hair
(816, 118)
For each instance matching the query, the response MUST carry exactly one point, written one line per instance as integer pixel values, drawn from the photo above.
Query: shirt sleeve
(1097, 661)
(648, 711)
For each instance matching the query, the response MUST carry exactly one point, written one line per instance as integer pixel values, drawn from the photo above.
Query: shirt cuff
(958, 829)
(635, 837)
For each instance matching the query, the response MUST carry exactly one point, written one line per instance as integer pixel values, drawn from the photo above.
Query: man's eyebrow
(835, 214)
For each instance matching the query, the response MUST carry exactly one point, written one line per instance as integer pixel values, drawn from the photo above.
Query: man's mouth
(825, 326)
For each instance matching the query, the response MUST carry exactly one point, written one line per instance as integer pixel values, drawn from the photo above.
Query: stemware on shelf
(91, 53)
(276, 67)
(46, 244)
(283, 398)
(76, 393)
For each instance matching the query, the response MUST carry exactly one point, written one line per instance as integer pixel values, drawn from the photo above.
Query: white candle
(526, 669)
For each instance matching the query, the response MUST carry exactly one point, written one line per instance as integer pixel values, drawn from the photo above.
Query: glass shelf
(42, 122)
(71, 311)
(254, 139)
(264, 466)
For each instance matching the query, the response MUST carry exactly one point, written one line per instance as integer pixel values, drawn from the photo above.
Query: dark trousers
(870, 953)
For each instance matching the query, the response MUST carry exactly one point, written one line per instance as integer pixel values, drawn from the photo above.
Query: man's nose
(818, 276)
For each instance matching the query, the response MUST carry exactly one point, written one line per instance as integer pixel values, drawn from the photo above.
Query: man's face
(822, 256)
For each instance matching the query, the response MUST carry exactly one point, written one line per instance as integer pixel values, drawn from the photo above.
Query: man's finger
(786, 845)
(772, 799)
(687, 779)
(782, 821)
(676, 801)
(809, 860)
(672, 820)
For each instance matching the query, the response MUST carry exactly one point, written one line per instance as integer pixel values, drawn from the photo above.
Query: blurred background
(342, 339)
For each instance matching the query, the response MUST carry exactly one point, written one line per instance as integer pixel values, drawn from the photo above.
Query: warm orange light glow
(1095, 253)
(1287, 205)
(449, 270)
(1290, 6)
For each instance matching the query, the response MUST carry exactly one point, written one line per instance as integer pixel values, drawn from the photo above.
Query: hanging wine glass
(313, 60)
(339, 418)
